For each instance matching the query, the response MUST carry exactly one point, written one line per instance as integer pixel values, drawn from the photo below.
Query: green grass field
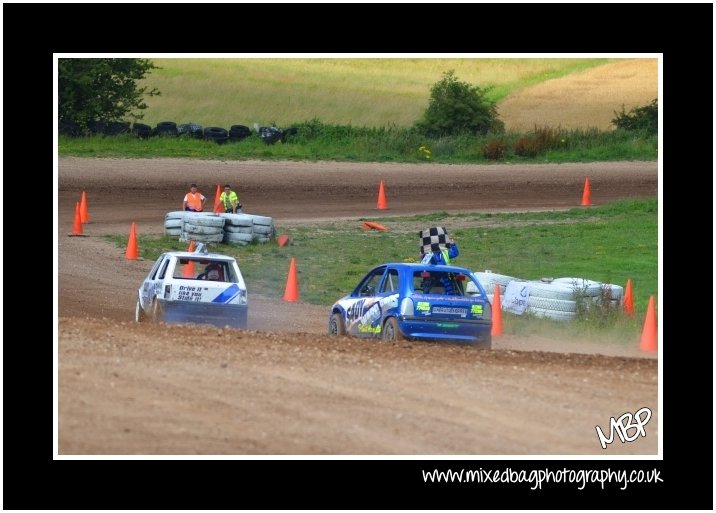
(359, 92)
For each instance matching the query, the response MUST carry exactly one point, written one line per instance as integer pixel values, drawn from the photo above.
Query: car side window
(164, 268)
(153, 272)
(370, 283)
(390, 283)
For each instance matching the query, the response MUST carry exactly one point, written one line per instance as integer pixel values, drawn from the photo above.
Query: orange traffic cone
(648, 334)
(587, 194)
(131, 253)
(217, 200)
(382, 202)
(84, 214)
(77, 223)
(629, 299)
(189, 271)
(496, 312)
(282, 240)
(291, 293)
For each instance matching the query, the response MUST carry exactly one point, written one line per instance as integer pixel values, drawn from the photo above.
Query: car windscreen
(204, 269)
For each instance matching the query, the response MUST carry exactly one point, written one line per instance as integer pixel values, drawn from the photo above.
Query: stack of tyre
(238, 229)
(217, 134)
(556, 298)
(166, 129)
(239, 133)
(241, 229)
(202, 227)
(193, 130)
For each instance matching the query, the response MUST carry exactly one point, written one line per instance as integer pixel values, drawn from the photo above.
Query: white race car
(198, 287)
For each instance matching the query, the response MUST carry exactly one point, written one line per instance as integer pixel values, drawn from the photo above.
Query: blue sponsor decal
(227, 295)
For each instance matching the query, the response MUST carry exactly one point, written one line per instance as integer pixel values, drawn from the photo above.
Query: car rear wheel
(139, 313)
(336, 326)
(391, 331)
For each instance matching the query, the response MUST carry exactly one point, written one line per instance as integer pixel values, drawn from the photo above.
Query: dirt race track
(286, 388)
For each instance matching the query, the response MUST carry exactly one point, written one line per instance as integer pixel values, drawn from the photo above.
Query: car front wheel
(391, 331)
(336, 326)
(139, 313)
(156, 311)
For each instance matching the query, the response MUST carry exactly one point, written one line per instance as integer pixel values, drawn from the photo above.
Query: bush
(526, 147)
(494, 150)
(547, 138)
(456, 108)
(639, 118)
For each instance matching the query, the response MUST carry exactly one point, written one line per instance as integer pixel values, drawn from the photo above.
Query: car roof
(425, 267)
(202, 256)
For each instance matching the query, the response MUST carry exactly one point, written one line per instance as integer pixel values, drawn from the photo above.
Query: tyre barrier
(208, 219)
(172, 223)
(238, 219)
(270, 134)
(288, 134)
(117, 128)
(239, 133)
(141, 130)
(201, 230)
(193, 130)
(557, 299)
(96, 127)
(217, 134)
(166, 129)
(69, 128)
(555, 315)
(238, 229)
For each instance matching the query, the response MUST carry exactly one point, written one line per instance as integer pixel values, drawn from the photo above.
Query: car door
(153, 283)
(376, 295)
(363, 312)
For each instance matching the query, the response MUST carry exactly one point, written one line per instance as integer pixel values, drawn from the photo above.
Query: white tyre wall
(551, 290)
(238, 229)
(617, 291)
(173, 223)
(178, 214)
(240, 237)
(203, 230)
(552, 314)
(581, 286)
(502, 279)
(559, 305)
(205, 220)
(238, 219)
(172, 232)
(197, 237)
(266, 221)
(262, 239)
(262, 229)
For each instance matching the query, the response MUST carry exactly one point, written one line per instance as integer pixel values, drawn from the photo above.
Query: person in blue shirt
(443, 256)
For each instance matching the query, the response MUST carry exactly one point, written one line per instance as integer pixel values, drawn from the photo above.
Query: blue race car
(398, 301)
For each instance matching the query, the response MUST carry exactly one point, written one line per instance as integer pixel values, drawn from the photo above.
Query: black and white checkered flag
(431, 237)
